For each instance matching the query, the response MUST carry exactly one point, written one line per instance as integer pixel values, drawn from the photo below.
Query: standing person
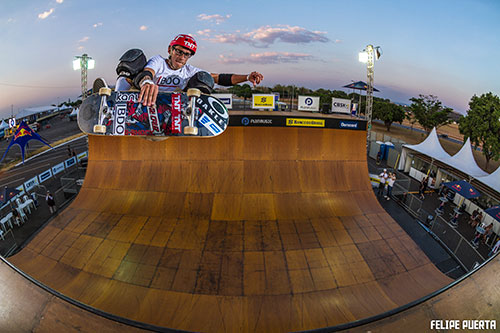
(477, 220)
(173, 72)
(69, 151)
(49, 198)
(473, 216)
(495, 248)
(390, 183)
(383, 180)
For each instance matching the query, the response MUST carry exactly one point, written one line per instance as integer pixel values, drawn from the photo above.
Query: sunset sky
(445, 48)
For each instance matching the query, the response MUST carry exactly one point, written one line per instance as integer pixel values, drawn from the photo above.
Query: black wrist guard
(144, 75)
(225, 80)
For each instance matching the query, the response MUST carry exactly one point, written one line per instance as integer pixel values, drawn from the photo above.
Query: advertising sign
(70, 162)
(309, 103)
(58, 168)
(340, 105)
(81, 155)
(45, 175)
(30, 184)
(226, 99)
(263, 101)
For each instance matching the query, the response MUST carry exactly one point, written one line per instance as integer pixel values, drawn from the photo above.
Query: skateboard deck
(118, 113)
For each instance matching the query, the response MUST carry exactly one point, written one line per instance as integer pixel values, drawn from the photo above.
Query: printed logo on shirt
(169, 81)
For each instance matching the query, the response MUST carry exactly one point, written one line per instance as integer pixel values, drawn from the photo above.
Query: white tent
(32, 111)
(430, 147)
(492, 180)
(3, 125)
(465, 162)
(74, 112)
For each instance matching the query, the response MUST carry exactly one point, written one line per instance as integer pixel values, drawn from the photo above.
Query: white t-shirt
(168, 79)
(390, 181)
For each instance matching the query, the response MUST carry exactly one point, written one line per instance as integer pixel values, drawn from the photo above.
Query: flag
(21, 137)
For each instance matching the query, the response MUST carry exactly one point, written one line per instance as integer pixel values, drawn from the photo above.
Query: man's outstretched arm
(232, 79)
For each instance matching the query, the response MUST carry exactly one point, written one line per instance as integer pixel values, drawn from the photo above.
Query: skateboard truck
(103, 110)
(192, 93)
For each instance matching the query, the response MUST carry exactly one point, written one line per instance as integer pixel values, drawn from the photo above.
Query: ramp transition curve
(259, 229)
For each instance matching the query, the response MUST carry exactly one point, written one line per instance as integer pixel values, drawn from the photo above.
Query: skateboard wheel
(105, 91)
(193, 92)
(188, 130)
(100, 129)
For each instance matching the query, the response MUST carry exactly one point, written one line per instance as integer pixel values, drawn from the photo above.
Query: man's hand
(149, 92)
(255, 78)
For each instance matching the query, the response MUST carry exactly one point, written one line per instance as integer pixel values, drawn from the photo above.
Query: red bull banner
(21, 137)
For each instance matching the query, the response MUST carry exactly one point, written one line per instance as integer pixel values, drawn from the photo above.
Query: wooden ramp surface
(25, 307)
(259, 229)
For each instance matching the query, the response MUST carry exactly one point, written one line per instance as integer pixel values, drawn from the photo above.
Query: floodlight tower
(83, 62)
(368, 56)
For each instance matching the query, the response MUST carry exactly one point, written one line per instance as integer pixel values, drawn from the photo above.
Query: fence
(440, 229)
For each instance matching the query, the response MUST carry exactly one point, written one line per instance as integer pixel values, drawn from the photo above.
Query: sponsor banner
(21, 189)
(30, 184)
(349, 124)
(308, 103)
(45, 175)
(70, 162)
(226, 99)
(354, 109)
(176, 113)
(305, 122)
(341, 105)
(280, 121)
(263, 101)
(57, 168)
(12, 122)
(81, 155)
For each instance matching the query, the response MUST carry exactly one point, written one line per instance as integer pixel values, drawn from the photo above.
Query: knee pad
(131, 63)
(203, 81)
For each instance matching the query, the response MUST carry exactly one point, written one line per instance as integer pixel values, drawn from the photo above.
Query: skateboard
(174, 114)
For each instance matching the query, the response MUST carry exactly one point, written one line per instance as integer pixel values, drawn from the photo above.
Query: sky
(445, 48)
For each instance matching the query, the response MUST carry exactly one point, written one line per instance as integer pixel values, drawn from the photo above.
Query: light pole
(368, 56)
(83, 62)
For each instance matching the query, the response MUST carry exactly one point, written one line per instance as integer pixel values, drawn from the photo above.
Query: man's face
(179, 55)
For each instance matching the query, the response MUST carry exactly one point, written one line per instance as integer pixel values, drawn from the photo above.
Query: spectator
(390, 183)
(383, 180)
(473, 216)
(477, 220)
(50, 202)
(69, 151)
(422, 188)
(16, 216)
(495, 248)
(454, 219)
(488, 232)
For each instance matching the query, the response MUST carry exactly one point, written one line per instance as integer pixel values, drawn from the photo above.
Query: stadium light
(83, 62)
(368, 57)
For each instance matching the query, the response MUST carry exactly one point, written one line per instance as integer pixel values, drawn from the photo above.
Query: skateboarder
(172, 73)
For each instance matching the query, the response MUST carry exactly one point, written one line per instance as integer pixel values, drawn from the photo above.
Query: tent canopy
(465, 162)
(32, 111)
(463, 188)
(431, 147)
(360, 85)
(492, 180)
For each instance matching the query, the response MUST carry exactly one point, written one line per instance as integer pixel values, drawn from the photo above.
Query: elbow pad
(225, 80)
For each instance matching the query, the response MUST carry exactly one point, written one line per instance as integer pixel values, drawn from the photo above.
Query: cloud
(143, 28)
(267, 35)
(99, 24)
(267, 58)
(45, 14)
(80, 48)
(338, 41)
(59, 1)
(11, 20)
(84, 39)
(205, 32)
(216, 17)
